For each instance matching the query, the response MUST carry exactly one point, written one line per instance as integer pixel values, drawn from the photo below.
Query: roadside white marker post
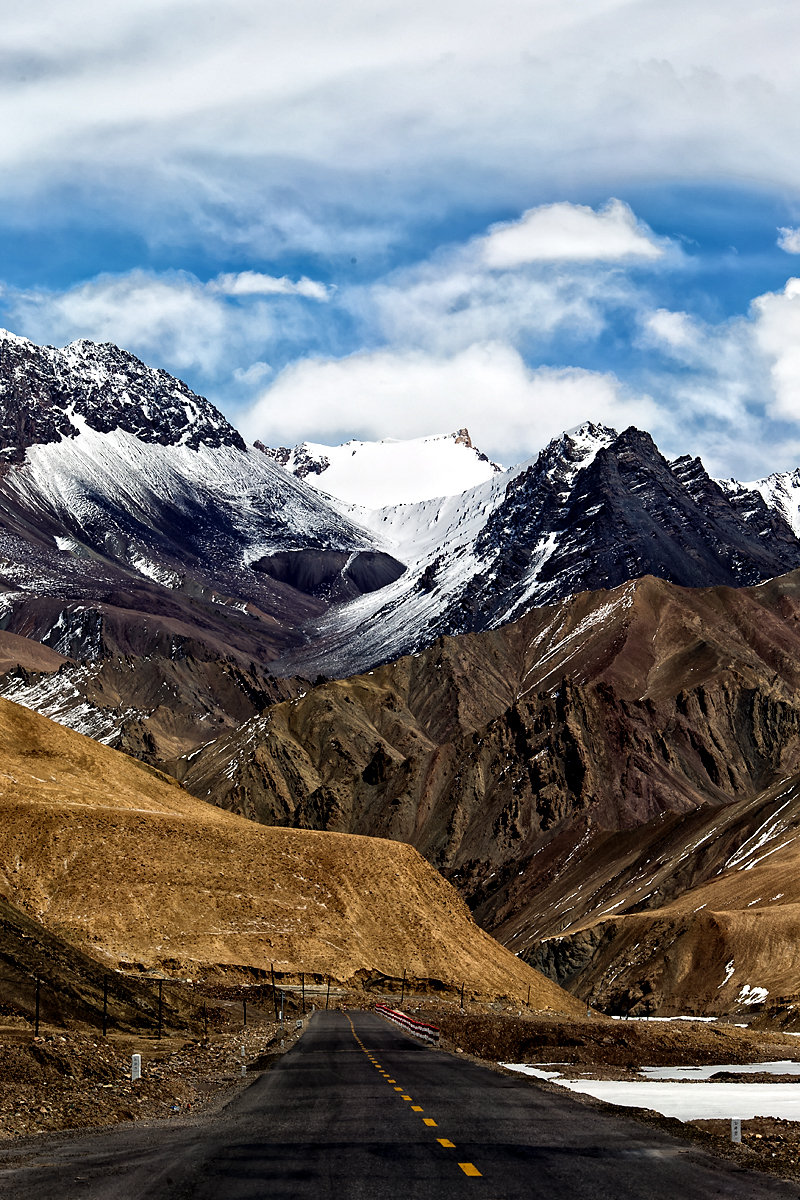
(244, 1064)
(736, 1129)
(136, 1067)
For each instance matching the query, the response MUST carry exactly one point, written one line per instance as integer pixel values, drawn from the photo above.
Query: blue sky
(378, 219)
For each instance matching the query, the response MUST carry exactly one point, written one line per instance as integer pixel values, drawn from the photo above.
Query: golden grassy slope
(120, 859)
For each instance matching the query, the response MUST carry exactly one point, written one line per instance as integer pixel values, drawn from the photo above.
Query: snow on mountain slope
(390, 472)
(595, 509)
(444, 544)
(241, 500)
(780, 492)
(118, 485)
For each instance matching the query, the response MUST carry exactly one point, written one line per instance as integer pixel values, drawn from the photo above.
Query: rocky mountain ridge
(563, 771)
(48, 394)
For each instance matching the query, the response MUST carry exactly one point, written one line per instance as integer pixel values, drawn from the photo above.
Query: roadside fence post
(462, 996)
(303, 986)
(274, 993)
(160, 1006)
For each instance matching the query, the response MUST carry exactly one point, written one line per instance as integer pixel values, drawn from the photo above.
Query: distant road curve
(357, 1110)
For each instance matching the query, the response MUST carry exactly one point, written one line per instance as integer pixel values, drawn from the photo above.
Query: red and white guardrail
(420, 1029)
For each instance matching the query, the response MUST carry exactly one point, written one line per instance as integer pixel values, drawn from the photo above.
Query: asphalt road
(357, 1110)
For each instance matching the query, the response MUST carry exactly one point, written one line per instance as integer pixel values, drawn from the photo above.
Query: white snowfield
(388, 472)
(686, 1093)
(436, 537)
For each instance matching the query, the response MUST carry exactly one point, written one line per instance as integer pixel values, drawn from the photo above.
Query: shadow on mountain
(333, 574)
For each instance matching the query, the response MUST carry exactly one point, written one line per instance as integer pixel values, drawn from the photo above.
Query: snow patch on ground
(785, 1066)
(752, 995)
(684, 1100)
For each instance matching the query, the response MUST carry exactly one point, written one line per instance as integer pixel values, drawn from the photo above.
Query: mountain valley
(571, 686)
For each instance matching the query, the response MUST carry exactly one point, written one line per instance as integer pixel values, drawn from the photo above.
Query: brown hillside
(691, 917)
(113, 856)
(585, 719)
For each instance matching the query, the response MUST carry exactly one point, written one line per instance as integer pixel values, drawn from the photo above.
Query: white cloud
(253, 283)
(510, 409)
(569, 233)
(736, 400)
(559, 269)
(676, 332)
(172, 319)
(789, 240)
(488, 103)
(776, 322)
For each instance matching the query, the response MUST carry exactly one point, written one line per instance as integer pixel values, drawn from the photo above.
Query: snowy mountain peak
(564, 456)
(7, 336)
(389, 472)
(44, 389)
(779, 492)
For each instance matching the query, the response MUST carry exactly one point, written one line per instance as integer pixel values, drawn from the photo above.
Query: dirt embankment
(181, 886)
(64, 1080)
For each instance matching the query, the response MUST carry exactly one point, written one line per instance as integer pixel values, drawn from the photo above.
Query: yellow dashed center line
(469, 1169)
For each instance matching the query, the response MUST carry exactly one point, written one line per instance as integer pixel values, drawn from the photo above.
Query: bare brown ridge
(118, 859)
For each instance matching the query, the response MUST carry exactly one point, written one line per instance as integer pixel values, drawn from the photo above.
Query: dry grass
(121, 861)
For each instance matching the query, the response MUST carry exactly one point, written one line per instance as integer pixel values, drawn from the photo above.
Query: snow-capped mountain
(134, 521)
(119, 480)
(594, 509)
(389, 472)
(778, 494)
(43, 390)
